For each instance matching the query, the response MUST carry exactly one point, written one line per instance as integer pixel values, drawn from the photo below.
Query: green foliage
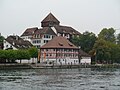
(8, 55)
(107, 34)
(2, 54)
(115, 53)
(102, 50)
(23, 54)
(1, 39)
(85, 41)
(106, 51)
(118, 39)
(33, 52)
(1, 42)
(75, 40)
(12, 55)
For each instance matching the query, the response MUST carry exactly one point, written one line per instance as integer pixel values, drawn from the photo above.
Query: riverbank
(43, 66)
(15, 66)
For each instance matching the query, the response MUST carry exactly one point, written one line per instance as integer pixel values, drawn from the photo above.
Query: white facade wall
(86, 60)
(32, 60)
(41, 41)
(36, 42)
(61, 61)
(28, 38)
(59, 34)
(7, 45)
(64, 57)
(68, 61)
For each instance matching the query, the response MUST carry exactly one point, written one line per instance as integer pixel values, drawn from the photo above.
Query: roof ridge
(59, 42)
(50, 17)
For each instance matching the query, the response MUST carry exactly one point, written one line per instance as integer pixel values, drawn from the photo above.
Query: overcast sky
(82, 15)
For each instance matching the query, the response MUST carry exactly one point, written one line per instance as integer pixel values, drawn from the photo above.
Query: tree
(115, 53)
(107, 34)
(85, 41)
(11, 55)
(1, 42)
(2, 56)
(23, 54)
(75, 40)
(102, 51)
(33, 52)
(118, 39)
(1, 39)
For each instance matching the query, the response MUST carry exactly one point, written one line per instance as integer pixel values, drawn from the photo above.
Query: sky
(82, 15)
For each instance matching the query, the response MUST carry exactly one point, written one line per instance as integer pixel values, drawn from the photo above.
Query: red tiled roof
(50, 18)
(45, 30)
(29, 31)
(18, 42)
(59, 42)
(66, 29)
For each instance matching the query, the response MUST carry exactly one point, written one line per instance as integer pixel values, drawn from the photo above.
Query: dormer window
(61, 44)
(70, 44)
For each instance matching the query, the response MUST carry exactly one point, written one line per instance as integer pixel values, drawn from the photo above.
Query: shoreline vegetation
(40, 66)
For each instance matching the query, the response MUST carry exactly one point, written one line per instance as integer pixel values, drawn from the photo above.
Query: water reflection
(60, 79)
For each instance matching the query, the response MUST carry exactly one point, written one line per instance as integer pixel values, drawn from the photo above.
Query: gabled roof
(50, 18)
(29, 31)
(66, 29)
(18, 42)
(59, 42)
(84, 54)
(45, 30)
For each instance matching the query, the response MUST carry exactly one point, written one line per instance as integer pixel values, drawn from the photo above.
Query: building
(28, 34)
(50, 28)
(60, 50)
(15, 42)
(60, 30)
(42, 36)
(84, 57)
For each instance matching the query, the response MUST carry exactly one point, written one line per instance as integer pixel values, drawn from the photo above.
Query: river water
(60, 79)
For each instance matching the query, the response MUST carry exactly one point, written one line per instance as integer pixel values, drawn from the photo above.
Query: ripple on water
(60, 79)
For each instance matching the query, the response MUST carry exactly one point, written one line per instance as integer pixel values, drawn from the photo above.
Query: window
(53, 49)
(36, 41)
(59, 60)
(39, 41)
(6, 45)
(45, 41)
(10, 46)
(37, 46)
(61, 44)
(52, 36)
(46, 36)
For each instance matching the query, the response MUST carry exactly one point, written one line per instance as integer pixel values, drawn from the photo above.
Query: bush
(12, 55)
